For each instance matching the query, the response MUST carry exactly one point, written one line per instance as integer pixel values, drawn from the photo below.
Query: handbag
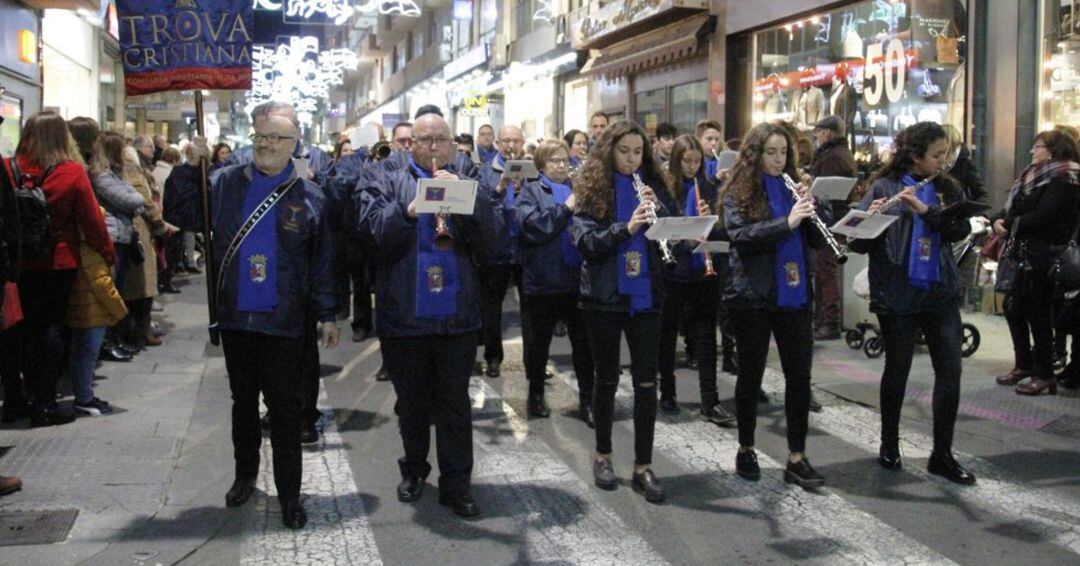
(948, 47)
(993, 247)
(1065, 270)
(10, 306)
(1009, 265)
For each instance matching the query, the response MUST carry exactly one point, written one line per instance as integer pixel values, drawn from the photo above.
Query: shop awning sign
(185, 44)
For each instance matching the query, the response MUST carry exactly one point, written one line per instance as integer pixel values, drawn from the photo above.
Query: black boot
(536, 405)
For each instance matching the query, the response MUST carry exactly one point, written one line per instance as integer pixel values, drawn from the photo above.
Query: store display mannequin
(776, 106)
(842, 100)
(810, 107)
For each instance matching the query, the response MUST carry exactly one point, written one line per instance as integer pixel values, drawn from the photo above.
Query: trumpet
(444, 240)
(665, 248)
(841, 255)
(895, 199)
(709, 271)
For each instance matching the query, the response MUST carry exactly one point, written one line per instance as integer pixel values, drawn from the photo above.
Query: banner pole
(208, 248)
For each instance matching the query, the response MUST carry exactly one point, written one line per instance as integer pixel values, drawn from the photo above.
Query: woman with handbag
(1040, 214)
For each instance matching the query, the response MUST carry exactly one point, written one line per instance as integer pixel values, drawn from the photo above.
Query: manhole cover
(35, 527)
(1064, 426)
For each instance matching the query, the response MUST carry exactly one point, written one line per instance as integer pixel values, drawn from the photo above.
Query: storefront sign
(185, 45)
(27, 46)
(885, 72)
(589, 23)
(475, 106)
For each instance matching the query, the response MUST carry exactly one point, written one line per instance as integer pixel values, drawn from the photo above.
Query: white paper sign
(364, 136)
(445, 195)
(860, 224)
(726, 160)
(520, 169)
(832, 188)
(713, 248)
(681, 228)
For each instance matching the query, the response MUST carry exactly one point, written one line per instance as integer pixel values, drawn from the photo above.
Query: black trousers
(11, 354)
(605, 335)
(1031, 308)
(311, 371)
(692, 304)
(360, 275)
(1020, 333)
(793, 330)
(44, 296)
(271, 365)
(431, 379)
(494, 281)
(943, 338)
(540, 313)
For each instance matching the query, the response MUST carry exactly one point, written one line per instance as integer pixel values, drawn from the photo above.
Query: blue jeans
(85, 346)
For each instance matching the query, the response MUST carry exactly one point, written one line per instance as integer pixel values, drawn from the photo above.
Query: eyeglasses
(403, 141)
(274, 139)
(511, 140)
(558, 161)
(428, 141)
(1039, 146)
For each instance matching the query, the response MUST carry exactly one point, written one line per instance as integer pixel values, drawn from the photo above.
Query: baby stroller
(867, 336)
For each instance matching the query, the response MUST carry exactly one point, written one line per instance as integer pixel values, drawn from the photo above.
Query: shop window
(417, 40)
(879, 65)
(401, 55)
(1059, 98)
(649, 108)
(11, 110)
(489, 17)
(689, 103)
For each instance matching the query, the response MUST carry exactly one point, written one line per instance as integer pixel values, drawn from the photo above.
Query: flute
(895, 199)
(665, 249)
(816, 221)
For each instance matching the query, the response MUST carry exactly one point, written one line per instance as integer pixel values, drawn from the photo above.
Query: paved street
(149, 481)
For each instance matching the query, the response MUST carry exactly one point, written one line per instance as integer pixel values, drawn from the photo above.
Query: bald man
(428, 307)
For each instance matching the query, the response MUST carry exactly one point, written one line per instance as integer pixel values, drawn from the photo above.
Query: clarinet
(816, 221)
(665, 249)
(709, 271)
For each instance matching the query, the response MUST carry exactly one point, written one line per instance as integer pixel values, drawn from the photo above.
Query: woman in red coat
(47, 155)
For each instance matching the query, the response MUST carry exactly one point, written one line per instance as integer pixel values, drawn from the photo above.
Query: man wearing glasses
(316, 162)
(428, 310)
(281, 276)
(500, 264)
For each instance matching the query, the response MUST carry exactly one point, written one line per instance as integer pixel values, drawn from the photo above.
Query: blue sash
(697, 261)
(509, 199)
(632, 264)
(924, 269)
(559, 193)
(437, 283)
(256, 289)
(789, 266)
(712, 164)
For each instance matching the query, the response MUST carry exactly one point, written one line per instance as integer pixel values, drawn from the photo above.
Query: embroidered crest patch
(791, 274)
(633, 264)
(257, 268)
(435, 279)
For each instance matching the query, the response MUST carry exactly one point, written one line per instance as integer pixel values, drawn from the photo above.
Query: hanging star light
(341, 10)
(297, 72)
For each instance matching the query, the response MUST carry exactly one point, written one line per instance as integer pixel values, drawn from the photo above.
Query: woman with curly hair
(771, 263)
(914, 287)
(621, 288)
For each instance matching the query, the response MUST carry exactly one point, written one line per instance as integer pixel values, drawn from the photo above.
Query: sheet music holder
(445, 195)
(677, 228)
(518, 169)
(713, 248)
(861, 224)
(832, 188)
(726, 160)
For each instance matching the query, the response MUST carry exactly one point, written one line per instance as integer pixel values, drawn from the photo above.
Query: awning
(658, 48)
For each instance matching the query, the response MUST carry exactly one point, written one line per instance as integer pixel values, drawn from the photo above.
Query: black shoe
(560, 328)
(382, 374)
(762, 396)
(461, 504)
(536, 407)
(493, 369)
(292, 513)
(309, 434)
(946, 466)
(169, 289)
(729, 365)
(717, 415)
(360, 334)
(669, 405)
(646, 484)
(827, 333)
(242, 489)
(113, 354)
(586, 415)
(548, 376)
(803, 474)
(94, 408)
(478, 368)
(746, 465)
(889, 458)
(410, 489)
(691, 364)
(14, 411)
(193, 270)
(815, 407)
(604, 474)
(264, 422)
(51, 417)
(129, 349)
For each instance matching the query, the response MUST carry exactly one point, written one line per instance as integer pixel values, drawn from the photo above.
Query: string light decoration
(297, 72)
(340, 10)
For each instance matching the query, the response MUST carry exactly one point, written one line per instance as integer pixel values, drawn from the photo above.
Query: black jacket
(598, 240)
(965, 173)
(181, 202)
(890, 291)
(833, 159)
(753, 249)
(507, 251)
(1047, 217)
(10, 259)
(543, 223)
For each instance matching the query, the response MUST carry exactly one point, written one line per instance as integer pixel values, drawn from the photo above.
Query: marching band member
(578, 142)
(710, 134)
(914, 287)
(551, 270)
(428, 310)
(771, 261)
(621, 288)
(689, 292)
(501, 264)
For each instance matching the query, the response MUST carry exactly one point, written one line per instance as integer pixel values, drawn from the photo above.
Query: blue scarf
(257, 270)
(486, 155)
(509, 200)
(437, 282)
(697, 261)
(924, 269)
(559, 193)
(789, 266)
(574, 162)
(711, 166)
(632, 265)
